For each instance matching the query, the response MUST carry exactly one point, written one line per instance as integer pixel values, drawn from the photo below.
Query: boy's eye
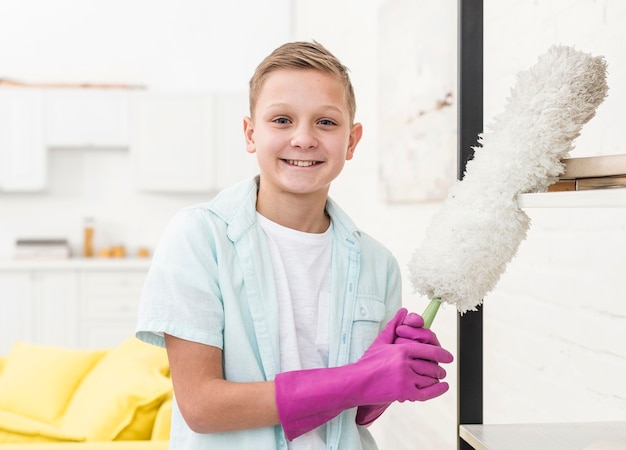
(281, 120)
(326, 122)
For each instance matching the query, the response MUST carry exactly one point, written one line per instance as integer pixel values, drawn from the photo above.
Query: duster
(479, 227)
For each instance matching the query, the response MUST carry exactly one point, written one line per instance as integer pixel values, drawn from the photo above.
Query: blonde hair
(302, 55)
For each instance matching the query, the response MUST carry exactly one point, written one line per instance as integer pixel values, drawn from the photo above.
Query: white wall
(568, 365)
(165, 44)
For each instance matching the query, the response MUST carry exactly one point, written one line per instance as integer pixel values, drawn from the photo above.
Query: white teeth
(294, 162)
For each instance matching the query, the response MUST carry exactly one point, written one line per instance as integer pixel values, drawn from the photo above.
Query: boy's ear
(248, 131)
(355, 136)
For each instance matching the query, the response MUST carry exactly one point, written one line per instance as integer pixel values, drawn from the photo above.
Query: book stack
(42, 249)
(593, 172)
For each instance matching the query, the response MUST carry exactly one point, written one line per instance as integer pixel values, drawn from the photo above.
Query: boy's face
(301, 131)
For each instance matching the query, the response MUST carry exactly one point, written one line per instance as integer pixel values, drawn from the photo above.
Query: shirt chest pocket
(369, 312)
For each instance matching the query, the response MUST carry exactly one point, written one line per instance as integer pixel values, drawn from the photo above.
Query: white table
(546, 436)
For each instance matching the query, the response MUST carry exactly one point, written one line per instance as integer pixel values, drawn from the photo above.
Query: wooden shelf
(546, 436)
(597, 198)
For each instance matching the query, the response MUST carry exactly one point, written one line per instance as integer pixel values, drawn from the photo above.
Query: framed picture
(418, 99)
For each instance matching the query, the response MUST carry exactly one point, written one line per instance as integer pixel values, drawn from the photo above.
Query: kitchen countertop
(75, 263)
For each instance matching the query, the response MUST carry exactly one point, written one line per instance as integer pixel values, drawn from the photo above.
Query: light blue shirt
(211, 281)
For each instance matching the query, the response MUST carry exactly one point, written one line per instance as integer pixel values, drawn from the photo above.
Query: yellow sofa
(53, 397)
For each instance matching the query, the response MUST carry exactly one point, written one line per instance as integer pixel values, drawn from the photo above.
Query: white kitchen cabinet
(109, 304)
(15, 306)
(73, 303)
(185, 142)
(38, 307)
(172, 141)
(87, 117)
(53, 302)
(23, 156)
(231, 157)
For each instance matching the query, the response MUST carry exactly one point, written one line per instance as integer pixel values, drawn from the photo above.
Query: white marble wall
(555, 327)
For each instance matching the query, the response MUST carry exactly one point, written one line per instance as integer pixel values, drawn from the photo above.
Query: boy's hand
(412, 329)
(386, 372)
(403, 328)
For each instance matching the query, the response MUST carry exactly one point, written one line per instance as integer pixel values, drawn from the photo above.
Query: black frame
(470, 125)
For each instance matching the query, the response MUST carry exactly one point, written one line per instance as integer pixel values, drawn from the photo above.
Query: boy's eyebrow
(277, 105)
(287, 105)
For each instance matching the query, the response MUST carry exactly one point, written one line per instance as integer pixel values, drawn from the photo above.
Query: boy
(270, 301)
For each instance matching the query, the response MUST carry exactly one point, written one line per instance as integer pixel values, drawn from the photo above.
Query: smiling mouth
(295, 162)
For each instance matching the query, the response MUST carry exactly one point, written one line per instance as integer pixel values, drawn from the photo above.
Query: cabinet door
(15, 308)
(87, 117)
(234, 162)
(109, 306)
(23, 156)
(54, 308)
(172, 141)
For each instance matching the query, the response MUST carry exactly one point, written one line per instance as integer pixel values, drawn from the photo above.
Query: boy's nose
(304, 138)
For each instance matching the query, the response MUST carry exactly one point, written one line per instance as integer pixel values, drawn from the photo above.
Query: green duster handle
(431, 311)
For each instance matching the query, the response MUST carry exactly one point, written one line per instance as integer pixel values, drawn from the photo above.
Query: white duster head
(480, 227)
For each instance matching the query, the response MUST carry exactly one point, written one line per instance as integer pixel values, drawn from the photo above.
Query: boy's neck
(302, 213)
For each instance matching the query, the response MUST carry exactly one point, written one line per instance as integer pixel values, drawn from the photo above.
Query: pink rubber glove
(385, 373)
(410, 329)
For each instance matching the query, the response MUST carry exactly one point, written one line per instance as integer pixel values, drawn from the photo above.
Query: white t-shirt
(301, 263)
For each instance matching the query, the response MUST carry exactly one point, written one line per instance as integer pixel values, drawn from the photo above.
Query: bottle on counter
(88, 250)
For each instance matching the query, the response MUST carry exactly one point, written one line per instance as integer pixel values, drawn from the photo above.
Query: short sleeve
(181, 295)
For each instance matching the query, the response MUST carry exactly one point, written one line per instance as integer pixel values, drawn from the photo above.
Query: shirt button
(363, 311)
